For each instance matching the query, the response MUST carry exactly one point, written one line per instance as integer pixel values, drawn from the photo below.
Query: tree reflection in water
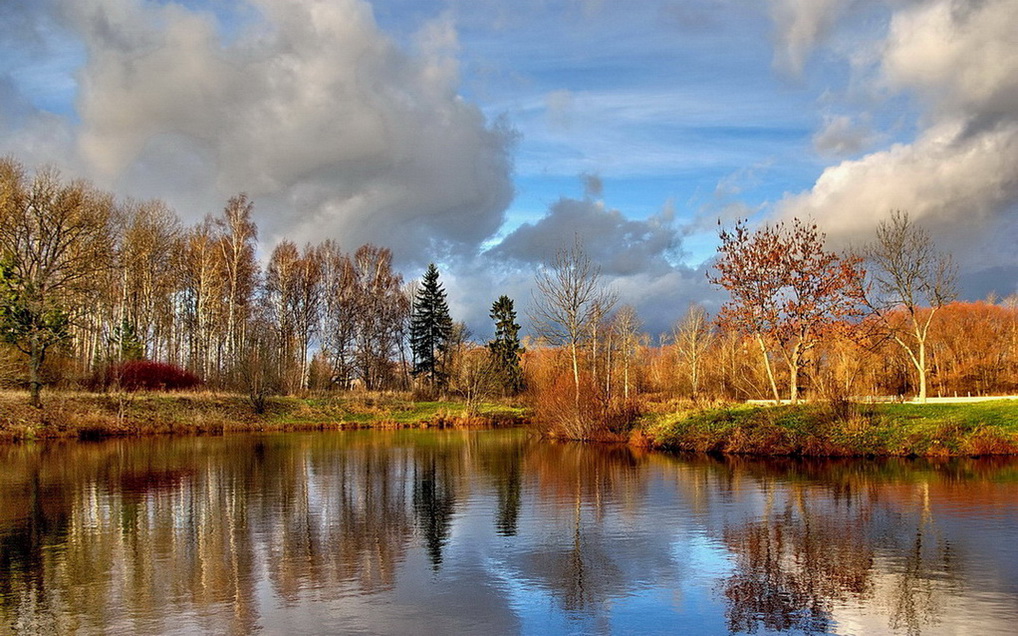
(220, 534)
(434, 502)
(792, 566)
(837, 538)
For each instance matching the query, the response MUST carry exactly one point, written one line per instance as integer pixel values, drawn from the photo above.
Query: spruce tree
(430, 329)
(505, 349)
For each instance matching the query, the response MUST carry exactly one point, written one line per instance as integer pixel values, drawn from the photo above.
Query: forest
(100, 294)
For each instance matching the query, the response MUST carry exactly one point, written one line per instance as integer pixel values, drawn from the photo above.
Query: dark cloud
(638, 258)
(620, 245)
(1000, 281)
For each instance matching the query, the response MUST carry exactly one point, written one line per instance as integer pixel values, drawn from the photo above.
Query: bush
(145, 375)
(599, 416)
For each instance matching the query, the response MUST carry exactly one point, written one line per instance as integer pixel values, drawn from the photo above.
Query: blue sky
(481, 134)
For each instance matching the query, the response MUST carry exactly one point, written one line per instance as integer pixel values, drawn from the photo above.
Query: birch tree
(908, 273)
(693, 336)
(570, 300)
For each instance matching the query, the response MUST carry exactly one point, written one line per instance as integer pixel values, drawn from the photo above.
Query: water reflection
(386, 532)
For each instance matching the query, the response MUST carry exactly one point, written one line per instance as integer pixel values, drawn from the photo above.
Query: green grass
(983, 428)
(998, 413)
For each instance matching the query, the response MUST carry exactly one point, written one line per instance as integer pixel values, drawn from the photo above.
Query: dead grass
(86, 415)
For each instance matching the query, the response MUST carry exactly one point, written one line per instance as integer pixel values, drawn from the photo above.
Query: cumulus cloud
(943, 176)
(332, 128)
(959, 175)
(960, 56)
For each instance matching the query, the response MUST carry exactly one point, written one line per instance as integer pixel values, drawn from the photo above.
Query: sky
(484, 135)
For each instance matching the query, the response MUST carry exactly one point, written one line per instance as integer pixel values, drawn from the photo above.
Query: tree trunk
(767, 365)
(921, 368)
(694, 375)
(625, 371)
(794, 361)
(576, 375)
(793, 382)
(35, 359)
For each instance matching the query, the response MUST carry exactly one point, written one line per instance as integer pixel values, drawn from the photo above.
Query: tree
(626, 329)
(237, 248)
(55, 239)
(504, 350)
(382, 312)
(339, 313)
(430, 329)
(146, 279)
(787, 290)
(203, 285)
(909, 273)
(571, 300)
(693, 337)
(293, 290)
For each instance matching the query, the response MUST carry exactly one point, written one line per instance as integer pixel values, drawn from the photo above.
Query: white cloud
(959, 60)
(943, 176)
(842, 135)
(332, 128)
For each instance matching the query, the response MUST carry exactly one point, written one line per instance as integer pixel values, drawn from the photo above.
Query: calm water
(419, 532)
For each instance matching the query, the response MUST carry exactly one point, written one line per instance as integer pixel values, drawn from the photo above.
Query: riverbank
(95, 415)
(854, 430)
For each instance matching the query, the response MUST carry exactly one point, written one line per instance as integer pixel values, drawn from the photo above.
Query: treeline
(972, 349)
(802, 322)
(88, 283)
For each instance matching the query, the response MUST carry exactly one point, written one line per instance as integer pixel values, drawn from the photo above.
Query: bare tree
(626, 328)
(237, 249)
(339, 313)
(203, 285)
(307, 305)
(693, 336)
(280, 294)
(910, 275)
(570, 299)
(55, 238)
(149, 237)
(382, 315)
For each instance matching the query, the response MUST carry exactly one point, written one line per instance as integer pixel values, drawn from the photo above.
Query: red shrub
(144, 375)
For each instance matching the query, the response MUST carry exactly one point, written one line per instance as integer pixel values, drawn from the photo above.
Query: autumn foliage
(788, 292)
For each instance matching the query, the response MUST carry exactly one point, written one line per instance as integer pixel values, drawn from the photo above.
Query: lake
(490, 532)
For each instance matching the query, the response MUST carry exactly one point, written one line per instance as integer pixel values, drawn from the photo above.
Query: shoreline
(989, 428)
(806, 430)
(91, 416)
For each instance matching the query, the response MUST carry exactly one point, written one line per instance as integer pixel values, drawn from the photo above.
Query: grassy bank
(818, 430)
(95, 415)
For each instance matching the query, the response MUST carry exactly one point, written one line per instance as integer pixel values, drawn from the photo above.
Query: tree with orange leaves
(787, 291)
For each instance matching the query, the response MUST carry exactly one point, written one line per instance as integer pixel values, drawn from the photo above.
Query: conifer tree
(430, 329)
(505, 349)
